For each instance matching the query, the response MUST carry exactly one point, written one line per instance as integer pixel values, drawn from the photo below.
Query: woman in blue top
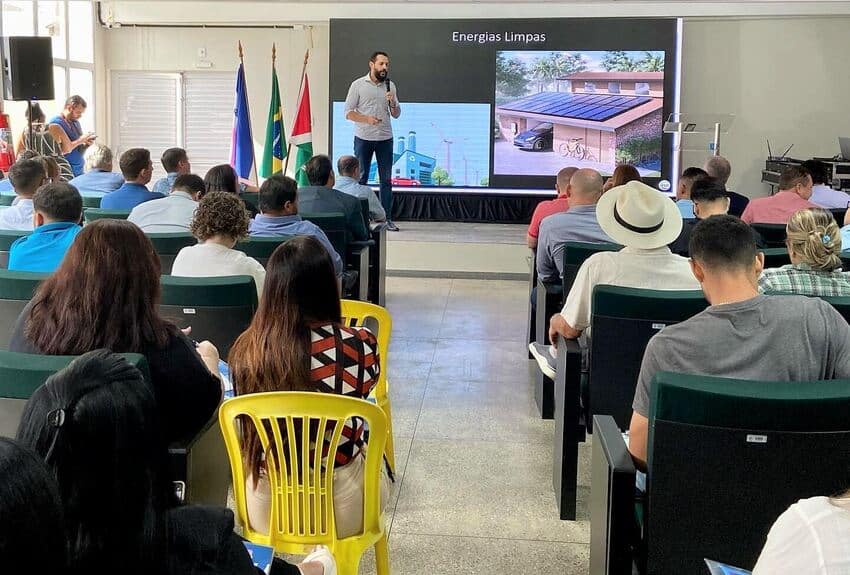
(66, 129)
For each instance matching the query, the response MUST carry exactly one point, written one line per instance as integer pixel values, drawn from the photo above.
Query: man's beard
(381, 75)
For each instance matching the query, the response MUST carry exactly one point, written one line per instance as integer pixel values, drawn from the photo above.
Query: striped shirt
(802, 279)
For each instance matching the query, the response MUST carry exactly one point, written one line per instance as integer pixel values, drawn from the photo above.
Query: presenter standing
(371, 104)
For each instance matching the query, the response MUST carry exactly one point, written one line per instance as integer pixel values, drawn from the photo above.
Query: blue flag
(242, 141)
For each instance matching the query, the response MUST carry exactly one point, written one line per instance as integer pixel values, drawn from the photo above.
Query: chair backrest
(252, 198)
(622, 322)
(16, 290)
(261, 249)
(168, 245)
(772, 234)
(21, 374)
(7, 199)
(735, 454)
(379, 321)
(7, 238)
(91, 201)
(301, 480)
(775, 257)
(333, 224)
(845, 260)
(217, 308)
(364, 209)
(838, 214)
(575, 253)
(92, 214)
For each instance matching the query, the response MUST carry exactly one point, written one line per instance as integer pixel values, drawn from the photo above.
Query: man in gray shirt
(742, 334)
(578, 224)
(348, 168)
(371, 104)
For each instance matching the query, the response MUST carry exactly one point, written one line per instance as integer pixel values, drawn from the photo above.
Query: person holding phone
(66, 130)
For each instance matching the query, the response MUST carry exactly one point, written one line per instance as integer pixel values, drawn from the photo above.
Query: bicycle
(573, 147)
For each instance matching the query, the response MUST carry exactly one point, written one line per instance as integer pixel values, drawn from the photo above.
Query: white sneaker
(324, 556)
(544, 358)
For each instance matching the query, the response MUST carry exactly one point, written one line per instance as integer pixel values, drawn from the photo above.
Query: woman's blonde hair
(815, 239)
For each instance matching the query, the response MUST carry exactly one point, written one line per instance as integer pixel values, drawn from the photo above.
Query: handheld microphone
(389, 108)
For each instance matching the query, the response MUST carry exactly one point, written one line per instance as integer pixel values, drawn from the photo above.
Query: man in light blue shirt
(58, 211)
(348, 183)
(26, 177)
(99, 178)
(173, 213)
(578, 224)
(279, 216)
(822, 194)
(176, 163)
(137, 168)
(683, 193)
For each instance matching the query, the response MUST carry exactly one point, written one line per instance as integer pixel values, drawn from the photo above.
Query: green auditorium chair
(775, 257)
(772, 234)
(92, 214)
(845, 260)
(622, 322)
(725, 458)
(531, 324)
(550, 299)
(7, 238)
(252, 198)
(354, 254)
(838, 214)
(199, 465)
(7, 199)
(16, 290)
(217, 308)
(377, 257)
(91, 201)
(261, 249)
(168, 245)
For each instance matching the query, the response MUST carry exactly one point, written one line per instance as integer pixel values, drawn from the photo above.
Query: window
(589, 87)
(192, 110)
(613, 87)
(641, 89)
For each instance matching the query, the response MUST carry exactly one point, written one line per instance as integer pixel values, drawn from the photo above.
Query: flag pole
(300, 87)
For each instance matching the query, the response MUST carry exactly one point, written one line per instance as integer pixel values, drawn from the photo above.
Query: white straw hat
(637, 215)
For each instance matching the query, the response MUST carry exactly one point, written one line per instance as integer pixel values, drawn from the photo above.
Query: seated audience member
(137, 168)
(683, 192)
(795, 189)
(95, 424)
(99, 178)
(284, 350)
(623, 174)
(579, 224)
(822, 194)
(279, 216)
(547, 208)
(32, 533)
(220, 221)
(719, 168)
(320, 197)
(645, 221)
(710, 199)
(223, 178)
(348, 182)
(6, 187)
(811, 537)
(174, 212)
(175, 161)
(742, 334)
(814, 246)
(26, 177)
(58, 213)
(105, 294)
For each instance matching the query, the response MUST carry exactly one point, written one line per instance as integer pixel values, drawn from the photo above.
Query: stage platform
(458, 250)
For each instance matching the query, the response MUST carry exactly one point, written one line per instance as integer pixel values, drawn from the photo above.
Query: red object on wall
(7, 147)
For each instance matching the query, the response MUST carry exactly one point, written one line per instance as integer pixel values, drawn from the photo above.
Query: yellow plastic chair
(302, 513)
(355, 314)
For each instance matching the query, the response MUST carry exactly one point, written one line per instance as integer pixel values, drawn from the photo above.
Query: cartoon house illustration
(408, 164)
(606, 111)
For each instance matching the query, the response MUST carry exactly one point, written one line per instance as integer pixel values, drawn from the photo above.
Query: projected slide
(439, 145)
(586, 109)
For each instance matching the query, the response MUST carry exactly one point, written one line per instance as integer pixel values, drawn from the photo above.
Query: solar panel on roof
(594, 107)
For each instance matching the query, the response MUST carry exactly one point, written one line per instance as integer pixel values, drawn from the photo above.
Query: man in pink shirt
(795, 189)
(549, 207)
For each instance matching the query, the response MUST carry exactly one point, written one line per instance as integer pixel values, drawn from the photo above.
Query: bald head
(347, 166)
(585, 187)
(718, 168)
(563, 181)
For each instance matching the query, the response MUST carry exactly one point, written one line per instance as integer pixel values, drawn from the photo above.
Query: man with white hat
(645, 221)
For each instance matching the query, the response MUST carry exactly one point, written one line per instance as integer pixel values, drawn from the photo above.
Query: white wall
(783, 78)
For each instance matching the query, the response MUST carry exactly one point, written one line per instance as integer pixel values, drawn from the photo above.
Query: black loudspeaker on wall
(27, 68)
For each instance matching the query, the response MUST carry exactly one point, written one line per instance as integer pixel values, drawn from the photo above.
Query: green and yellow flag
(274, 150)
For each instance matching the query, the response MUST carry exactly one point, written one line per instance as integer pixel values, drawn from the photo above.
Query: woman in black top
(106, 294)
(223, 178)
(94, 424)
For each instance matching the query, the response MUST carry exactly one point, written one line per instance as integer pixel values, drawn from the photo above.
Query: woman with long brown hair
(623, 174)
(296, 342)
(106, 294)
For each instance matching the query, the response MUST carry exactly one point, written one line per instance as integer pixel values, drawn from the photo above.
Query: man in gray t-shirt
(742, 335)
(372, 103)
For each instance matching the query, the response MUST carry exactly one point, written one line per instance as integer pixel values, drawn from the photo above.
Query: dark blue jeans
(383, 150)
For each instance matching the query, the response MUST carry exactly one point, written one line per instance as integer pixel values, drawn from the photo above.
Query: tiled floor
(474, 489)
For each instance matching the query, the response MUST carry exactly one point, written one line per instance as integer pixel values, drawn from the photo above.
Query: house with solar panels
(605, 111)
